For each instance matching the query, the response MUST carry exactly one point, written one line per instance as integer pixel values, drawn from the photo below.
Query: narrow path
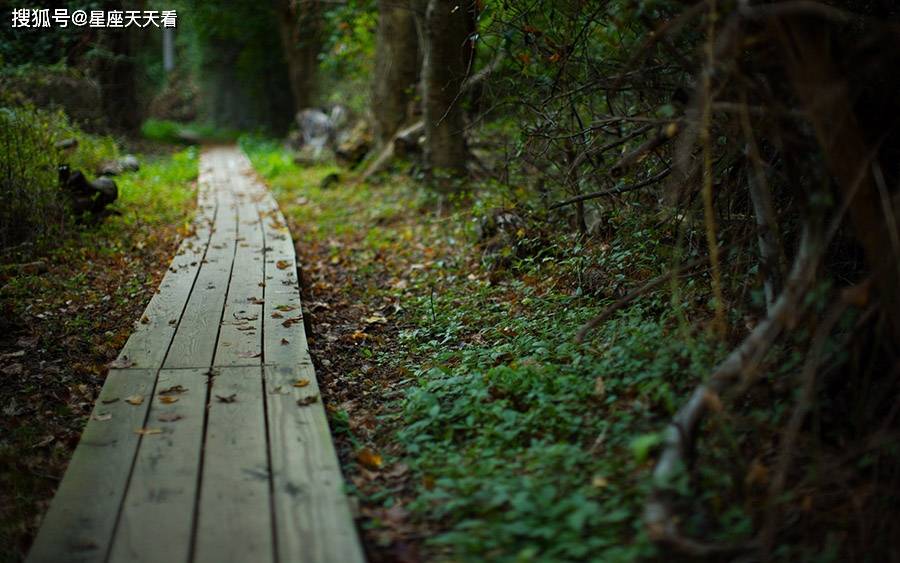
(208, 441)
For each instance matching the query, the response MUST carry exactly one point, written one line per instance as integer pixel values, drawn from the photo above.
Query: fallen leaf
(283, 264)
(147, 431)
(283, 308)
(369, 459)
(102, 416)
(228, 398)
(255, 301)
(145, 320)
(304, 401)
(173, 390)
(109, 401)
(285, 341)
(121, 363)
(375, 319)
(168, 400)
(135, 400)
(301, 383)
(277, 315)
(249, 354)
(288, 323)
(169, 417)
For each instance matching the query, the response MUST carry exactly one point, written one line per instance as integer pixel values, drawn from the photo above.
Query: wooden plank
(240, 336)
(153, 332)
(312, 514)
(234, 518)
(158, 512)
(285, 338)
(195, 339)
(79, 525)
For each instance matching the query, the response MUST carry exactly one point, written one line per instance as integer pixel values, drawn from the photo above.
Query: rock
(129, 163)
(353, 144)
(316, 128)
(109, 168)
(87, 196)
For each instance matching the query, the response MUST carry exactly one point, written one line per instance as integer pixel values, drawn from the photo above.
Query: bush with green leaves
(35, 209)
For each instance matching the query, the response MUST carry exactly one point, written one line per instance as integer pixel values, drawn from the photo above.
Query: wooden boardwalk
(209, 442)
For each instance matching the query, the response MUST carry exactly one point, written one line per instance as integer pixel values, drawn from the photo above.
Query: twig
(615, 191)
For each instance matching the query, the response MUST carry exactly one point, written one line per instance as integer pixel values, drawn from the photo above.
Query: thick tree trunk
(449, 55)
(115, 72)
(396, 68)
(299, 26)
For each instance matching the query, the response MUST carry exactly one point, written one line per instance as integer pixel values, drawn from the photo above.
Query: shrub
(34, 209)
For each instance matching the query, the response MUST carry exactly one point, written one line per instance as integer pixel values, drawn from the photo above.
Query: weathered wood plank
(195, 340)
(234, 519)
(312, 514)
(79, 525)
(157, 516)
(153, 332)
(240, 336)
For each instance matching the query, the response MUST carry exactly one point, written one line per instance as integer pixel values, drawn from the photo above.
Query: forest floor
(65, 315)
(468, 423)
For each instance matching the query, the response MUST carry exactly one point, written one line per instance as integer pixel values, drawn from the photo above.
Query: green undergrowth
(165, 131)
(522, 444)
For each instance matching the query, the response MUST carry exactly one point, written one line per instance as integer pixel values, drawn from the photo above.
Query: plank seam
(209, 385)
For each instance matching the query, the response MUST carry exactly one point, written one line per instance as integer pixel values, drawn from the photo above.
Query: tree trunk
(396, 68)
(299, 26)
(825, 95)
(114, 70)
(449, 53)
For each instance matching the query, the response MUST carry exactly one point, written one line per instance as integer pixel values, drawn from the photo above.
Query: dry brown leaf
(135, 400)
(283, 264)
(102, 416)
(168, 400)
(285, 341)
(173, 390)
(369, 459)
(147, 431)
(169, 417)
(301, 383)
(227, 398)
(304, 401)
